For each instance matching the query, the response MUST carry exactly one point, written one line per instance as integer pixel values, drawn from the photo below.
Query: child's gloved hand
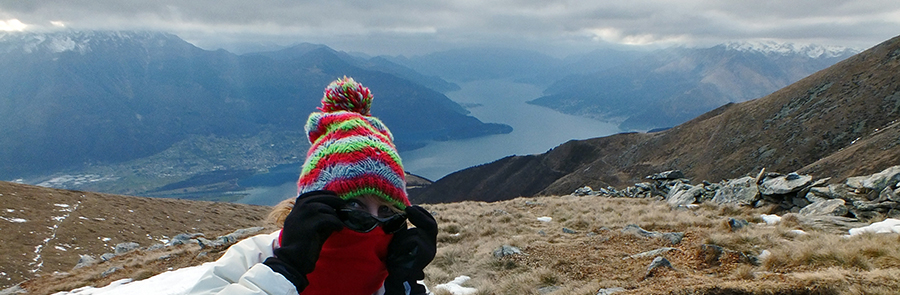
(410, 251)
(306, 228)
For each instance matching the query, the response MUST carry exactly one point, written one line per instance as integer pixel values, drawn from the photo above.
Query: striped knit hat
(351, 152)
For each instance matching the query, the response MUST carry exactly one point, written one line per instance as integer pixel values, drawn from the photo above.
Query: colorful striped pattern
(351, 153)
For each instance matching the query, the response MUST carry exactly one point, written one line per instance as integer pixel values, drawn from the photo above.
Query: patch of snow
(770, 219)
(765, 254)
(60, 248)
(61, 205)
(545, 219)
(455, 286)
(13, 219)
(797, 232)
(887, 226)
(9, 210)
(59, 218)
(129, 210)
(104, 239)
(99, 219)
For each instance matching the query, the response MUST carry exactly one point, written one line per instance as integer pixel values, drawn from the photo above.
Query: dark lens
(357, 220)
(393, 224)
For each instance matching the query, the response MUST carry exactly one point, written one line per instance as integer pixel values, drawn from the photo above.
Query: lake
(535, 130)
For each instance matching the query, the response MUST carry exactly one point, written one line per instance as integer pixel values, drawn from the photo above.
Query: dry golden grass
(593, 257)
(596, 256)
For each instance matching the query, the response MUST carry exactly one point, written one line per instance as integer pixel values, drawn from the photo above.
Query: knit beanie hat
(351, 152)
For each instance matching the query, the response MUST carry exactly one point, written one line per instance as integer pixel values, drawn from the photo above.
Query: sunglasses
(361, 221)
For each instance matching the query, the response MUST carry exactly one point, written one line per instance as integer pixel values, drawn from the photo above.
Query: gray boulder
(684, 194)
(107, 256)
(674, 238)
(650, 253)
(833, 207)
(506, 250)
(671, 174)
(658, 263)
(583, 191)
(741, 191)
(122, 248)
(736, 224)
(784, 184)
(876, 182)
(85, 260)
(183, 239)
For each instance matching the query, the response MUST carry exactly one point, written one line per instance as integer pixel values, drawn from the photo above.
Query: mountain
(838, 122)
(68, 99)
(668, 87)
(470, 64)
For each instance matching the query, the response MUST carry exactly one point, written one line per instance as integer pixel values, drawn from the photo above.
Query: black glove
(306, 228)
(410, 251)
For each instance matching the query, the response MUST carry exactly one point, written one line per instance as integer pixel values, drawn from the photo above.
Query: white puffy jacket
(240, 270)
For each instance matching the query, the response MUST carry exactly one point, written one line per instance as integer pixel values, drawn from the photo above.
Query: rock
(205, 243)
(609, 291)
(877, 181)
(183, 239)
(817, 194)
(674, 238)
(685, 196)
(156, 247)
(650, 253)
(122, 248)
(671, 174)
(828, 223)
(741, 191)
(85, 260)
(107, 256)
(712, 254)
(834, 207)
(875, 206)
(736, 224)
(506, 250)
(110, 271)
(569, 231)
(889, 195)
(658, 263)
(584, 191)
(17, 289)
(893, 213)
(785, 184)
(547, 289)
(238, 235)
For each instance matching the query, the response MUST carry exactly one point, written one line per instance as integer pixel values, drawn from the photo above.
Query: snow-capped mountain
(786, 49)
(80, 42)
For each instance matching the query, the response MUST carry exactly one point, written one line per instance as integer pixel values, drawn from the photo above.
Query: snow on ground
(889, 225)
(168, 283)
(771, 219)
(545, 219)
(455, 288)
(13, 219)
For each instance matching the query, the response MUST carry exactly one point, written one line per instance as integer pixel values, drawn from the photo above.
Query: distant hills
(839, 122)
(668, 87)
(73, 98)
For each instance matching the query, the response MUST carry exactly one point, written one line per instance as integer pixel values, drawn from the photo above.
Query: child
(346, 232)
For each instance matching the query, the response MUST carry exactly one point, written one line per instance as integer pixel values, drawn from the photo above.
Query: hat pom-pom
(346, 95)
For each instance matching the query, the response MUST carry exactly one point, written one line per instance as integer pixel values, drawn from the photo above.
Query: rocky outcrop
(861, 197)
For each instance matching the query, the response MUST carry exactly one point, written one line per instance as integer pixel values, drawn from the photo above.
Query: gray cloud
(411, 27)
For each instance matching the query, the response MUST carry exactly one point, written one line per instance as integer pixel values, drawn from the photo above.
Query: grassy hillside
(585, 247)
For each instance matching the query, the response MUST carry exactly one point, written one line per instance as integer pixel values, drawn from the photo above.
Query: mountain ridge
(69, 100)
(853, 104)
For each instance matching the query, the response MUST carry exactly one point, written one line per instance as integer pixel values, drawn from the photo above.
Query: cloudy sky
(417, 27)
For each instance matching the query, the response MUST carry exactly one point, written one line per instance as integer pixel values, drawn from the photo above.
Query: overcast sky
(415, 26)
